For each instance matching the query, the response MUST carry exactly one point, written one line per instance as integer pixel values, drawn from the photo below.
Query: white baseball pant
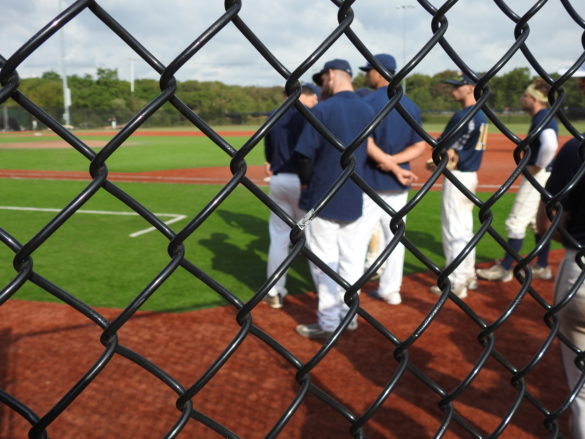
(573, 326)
(335, 243)
(523, 213)
(285, 190)
(457, 226)
(391, 278)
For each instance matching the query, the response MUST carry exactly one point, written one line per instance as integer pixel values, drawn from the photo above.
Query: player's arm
(410, 153)
(268, 153)
(548, 148)
(563, 168)
(418, 145)
(375, 152)
(543, 223)
(386, 163)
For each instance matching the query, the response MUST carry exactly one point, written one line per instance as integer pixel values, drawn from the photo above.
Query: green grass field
(154, 152)
(93, 257)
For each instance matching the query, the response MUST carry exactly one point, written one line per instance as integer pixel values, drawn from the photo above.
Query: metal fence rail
(98, 169)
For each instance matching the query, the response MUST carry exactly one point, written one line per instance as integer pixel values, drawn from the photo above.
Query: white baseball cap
(579, 73)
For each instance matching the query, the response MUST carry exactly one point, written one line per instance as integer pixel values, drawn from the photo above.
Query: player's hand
(430, 165)
(267, 169)
(451, 164)
(405, 177)
(453, 160)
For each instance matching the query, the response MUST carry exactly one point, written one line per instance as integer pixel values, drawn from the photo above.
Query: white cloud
(290, 29)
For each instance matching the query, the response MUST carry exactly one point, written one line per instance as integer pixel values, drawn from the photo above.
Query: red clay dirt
(497, 165)
(45, 348)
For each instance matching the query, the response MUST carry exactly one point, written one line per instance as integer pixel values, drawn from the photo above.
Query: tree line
(97, 101)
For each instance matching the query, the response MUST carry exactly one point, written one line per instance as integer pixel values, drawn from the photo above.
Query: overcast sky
(291, 29)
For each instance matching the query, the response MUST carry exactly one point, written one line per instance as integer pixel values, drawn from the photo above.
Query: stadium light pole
(66, 90)
(131, 74)
(404, 7)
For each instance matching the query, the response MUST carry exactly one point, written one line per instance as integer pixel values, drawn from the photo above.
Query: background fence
(401, 348)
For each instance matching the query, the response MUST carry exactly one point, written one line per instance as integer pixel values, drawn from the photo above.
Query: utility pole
(404, 7)
(132, 75)
(66, 90)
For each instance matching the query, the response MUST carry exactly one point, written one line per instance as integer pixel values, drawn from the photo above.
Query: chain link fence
(187, 412)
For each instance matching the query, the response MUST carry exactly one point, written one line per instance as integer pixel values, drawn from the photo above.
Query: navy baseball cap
(461, 80)
(334, 64)
(387, 61)
(313, 88)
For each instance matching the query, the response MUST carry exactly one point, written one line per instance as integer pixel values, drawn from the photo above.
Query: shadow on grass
(240, 252)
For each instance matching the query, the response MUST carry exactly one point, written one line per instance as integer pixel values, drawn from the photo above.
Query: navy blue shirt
(564, 167)
(535, 145)
(392, 136)
(471, 141)
(345, 115)
(280, 142)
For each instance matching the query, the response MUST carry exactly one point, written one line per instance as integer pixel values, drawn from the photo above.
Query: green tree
(51, 76)
(418, 88)
(46, 93)
(360, 81)
(107, 75)
(441, 92)
(510, 87)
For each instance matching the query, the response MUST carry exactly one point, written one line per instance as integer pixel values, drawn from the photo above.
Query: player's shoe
(541, 272)
(276, 302)
(353, 325)
(459, 290)
(313, 331)
(393, 298)
(472, 284)
(495, 272)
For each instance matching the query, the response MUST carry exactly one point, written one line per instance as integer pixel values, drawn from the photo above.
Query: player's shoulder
(343, 99)
(541, 115)
(478, 113)
(481, 116)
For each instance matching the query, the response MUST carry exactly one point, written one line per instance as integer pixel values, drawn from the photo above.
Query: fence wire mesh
(406, 370)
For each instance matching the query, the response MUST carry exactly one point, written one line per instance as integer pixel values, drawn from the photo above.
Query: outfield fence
(400, 347)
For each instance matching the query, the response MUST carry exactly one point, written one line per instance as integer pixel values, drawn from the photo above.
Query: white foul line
(175, 217)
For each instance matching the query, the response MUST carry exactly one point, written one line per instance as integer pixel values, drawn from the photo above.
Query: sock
(516, 244)
(542, 257)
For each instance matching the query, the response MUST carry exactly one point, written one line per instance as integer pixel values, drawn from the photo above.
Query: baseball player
(331, 235)
(285, 187)
(523, 213)
(465, 152)
(572, 315)
(394, 144)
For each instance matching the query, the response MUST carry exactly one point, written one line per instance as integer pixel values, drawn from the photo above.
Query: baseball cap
(387, 61)
(461, 80)
(313, 88)
(579, 73)
(334, 64)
